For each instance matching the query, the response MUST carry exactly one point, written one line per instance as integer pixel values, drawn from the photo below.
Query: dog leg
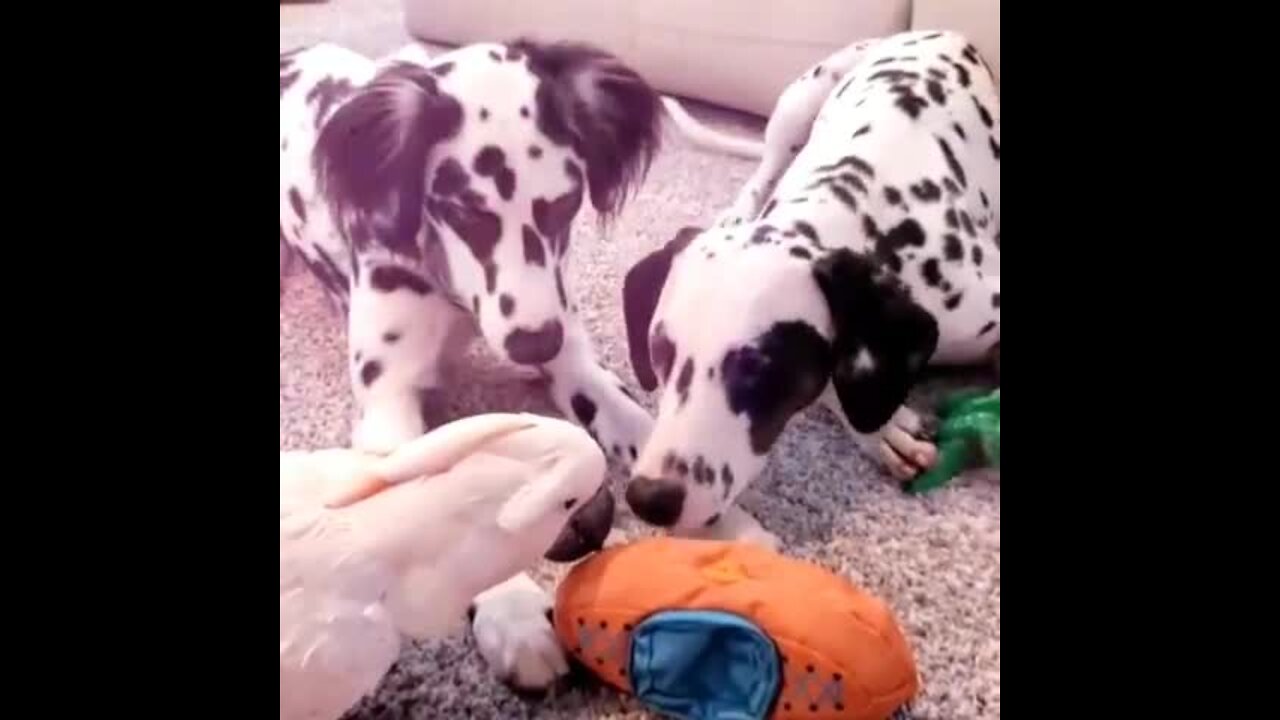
(897, 445)
(512, 626)
(398, 335)
(788, 131)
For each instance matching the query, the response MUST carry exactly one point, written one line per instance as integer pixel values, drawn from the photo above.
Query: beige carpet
(935, 560)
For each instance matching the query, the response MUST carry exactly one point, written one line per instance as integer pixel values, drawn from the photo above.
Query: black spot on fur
(496, 57)
(953, 301)
(533, 252)
(988, 327)
(959, 131)
(614, 122)
(662, 352)
(391, 337)
(962, 74)
(894, 76)
(491, 162)
(909, 102)
(952, 162)
(817, 71)
(995, 300)
(937, 74)
(287, 79)
(926, 190)
(475, 304)
(535, 347)
(506, 305)
(985, 202)
(931, 273)
(967, 223)
(564, 301)
(983, 113)
(905, 234)
(932, 36)
(970, 53)
(995, 147)
(770, 380)
(862, 130)
(554, 217)
(852, 161)
(934, 88)
(490, 277)
(773, 203)
(535, 152)
(390, 278)
(952, 220)
(884, 61)
(726, 477)
(795, 149)
(807, 230)
(801, 252)
(326, 94)
(762, 235)
(295, 201)
(583, 408)
(950, 186)
(484, 114)
(370, 372)
(465, 211)
(892, 195)
(952, 249)
(976, 252)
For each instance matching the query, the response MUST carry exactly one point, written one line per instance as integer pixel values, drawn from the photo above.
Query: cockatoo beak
(431, 454)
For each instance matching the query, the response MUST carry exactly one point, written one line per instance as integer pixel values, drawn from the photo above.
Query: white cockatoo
(376, 547)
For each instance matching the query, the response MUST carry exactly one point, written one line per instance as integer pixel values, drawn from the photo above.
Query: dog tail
(708, 138)
(591, 100)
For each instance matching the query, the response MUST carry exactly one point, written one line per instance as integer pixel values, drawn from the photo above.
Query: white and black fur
(865, 246)
(433, 199)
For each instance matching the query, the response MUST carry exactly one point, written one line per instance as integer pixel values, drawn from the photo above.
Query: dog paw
(902, 447)
(623, 431)
(512, 627)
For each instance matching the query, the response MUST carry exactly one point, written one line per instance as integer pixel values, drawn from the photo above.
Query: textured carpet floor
(935, 560)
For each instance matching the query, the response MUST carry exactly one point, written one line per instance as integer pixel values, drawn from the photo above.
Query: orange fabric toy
(704, 630)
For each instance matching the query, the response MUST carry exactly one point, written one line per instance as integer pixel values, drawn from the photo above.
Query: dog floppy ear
(640, 292)
(883, 338)
(370, 158)
(591, 100)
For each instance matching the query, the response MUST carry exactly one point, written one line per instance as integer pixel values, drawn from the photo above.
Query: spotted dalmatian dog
(432, 198)
(866, 245)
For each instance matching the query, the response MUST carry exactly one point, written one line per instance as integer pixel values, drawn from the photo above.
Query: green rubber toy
(968, 437)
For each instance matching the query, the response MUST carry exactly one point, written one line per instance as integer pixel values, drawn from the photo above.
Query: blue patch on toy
(704, 665)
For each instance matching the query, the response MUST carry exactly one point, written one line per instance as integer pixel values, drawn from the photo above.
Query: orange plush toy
(705, 630)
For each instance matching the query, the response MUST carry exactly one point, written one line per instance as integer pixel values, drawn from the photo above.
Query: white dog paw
(512, 627)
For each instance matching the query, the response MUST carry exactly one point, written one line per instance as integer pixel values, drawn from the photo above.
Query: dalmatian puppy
(432, 197)
(865, 246)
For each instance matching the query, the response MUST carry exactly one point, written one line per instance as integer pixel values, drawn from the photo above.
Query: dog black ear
(370, 159)
(640, 292)
(591, 100)
(883, 338)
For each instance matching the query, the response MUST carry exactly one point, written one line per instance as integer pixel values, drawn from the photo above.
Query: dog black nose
(535, 347)
(657, 502)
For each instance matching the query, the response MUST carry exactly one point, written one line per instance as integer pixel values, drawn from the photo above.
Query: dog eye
(570, 503)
